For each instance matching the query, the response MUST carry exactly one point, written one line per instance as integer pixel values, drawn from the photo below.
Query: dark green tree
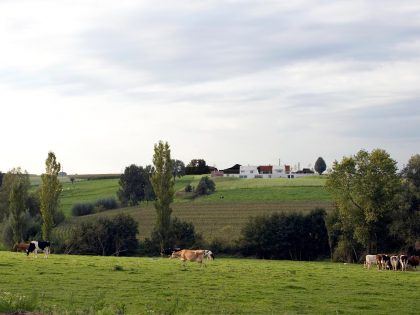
(320, 166)
(364, 188)
(178, 169)
(135, 186)
(163, 185)
(49, 194)
(197, 167)
(205, 187)
(406, 221)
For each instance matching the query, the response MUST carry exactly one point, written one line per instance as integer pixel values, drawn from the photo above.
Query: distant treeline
(95, 176)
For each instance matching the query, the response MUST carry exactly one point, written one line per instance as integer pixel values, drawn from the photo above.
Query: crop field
(66, 284)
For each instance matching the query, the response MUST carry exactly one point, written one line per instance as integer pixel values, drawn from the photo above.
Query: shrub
(82, 209)
(188, 188)
(205, 187)
(281, 236)
(106, 204)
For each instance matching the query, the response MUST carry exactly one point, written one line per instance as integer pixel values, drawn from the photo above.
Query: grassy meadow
(120, 285)
(222, 214)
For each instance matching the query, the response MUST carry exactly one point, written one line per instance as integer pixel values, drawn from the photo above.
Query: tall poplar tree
(163, 185)
(49, 194)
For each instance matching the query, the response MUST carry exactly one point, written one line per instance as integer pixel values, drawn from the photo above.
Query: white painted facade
(251, 171)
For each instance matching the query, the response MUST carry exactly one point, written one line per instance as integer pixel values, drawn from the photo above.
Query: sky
(99, 83)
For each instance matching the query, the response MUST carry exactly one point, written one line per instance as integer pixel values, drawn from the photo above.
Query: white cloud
(229, 81)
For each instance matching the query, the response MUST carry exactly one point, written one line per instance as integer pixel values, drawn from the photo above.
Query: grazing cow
(208, 254)
(394, 262)
(386, 262)
(20, 247)
(168, 251)
(197, 255)
(403, 261)
(36, 246)
(413, 261)
(369, 260)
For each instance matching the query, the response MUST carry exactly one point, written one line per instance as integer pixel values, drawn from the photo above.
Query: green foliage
(188, 188)
(178, 169)
(17, 203)
(291, 236)
(182, 234)
(99, 205)
(49, 194)
(320, 166)
(80, 209)
(163, 186)
(364, 188)
(406, 221)
(135, 186)
(205, 187)
(197, 167)
(104, 236)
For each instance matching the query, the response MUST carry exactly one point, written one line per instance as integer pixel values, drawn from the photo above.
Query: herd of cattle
(391, 262)
(382, 261)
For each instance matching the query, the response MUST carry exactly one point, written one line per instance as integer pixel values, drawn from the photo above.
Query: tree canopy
(135, 185)
(364, 187)
(320, 166)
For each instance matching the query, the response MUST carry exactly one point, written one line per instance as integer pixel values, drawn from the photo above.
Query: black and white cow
(168, 251)
(36, 246)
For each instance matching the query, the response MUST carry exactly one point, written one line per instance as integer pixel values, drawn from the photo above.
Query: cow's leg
(36, 253)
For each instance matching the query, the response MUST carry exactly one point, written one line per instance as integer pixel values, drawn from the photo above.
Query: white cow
(369, 260)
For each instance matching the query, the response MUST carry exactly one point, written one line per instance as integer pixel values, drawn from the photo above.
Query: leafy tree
(364, 188)
(205, 187)
(320, 166)
(197, 167)
(10, 180)
(286, 236)
(406, 221)
(178, 169)
(17, 207)
(104, 236)
(49, 194)
(135, 186)
(163, 185)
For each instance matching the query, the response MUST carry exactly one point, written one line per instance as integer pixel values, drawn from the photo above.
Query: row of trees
(20, 211)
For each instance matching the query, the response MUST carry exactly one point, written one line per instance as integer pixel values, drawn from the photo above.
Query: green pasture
(66, 284)
(222, 220)
(228, 189)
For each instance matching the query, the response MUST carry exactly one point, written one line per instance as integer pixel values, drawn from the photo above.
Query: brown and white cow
(20, 247)
(394, 262)
(198, 255)
(370, 260)
(403, 261)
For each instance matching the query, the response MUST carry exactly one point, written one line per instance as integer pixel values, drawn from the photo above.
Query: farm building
(264, 171)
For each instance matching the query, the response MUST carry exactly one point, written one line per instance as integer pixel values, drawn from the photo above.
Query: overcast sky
(248, 82)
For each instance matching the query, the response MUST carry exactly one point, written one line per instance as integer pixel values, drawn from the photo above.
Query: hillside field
(226, 286)
(222, 214)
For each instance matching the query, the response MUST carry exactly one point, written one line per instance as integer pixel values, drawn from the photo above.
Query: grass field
(64, 283)
(221, 215)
